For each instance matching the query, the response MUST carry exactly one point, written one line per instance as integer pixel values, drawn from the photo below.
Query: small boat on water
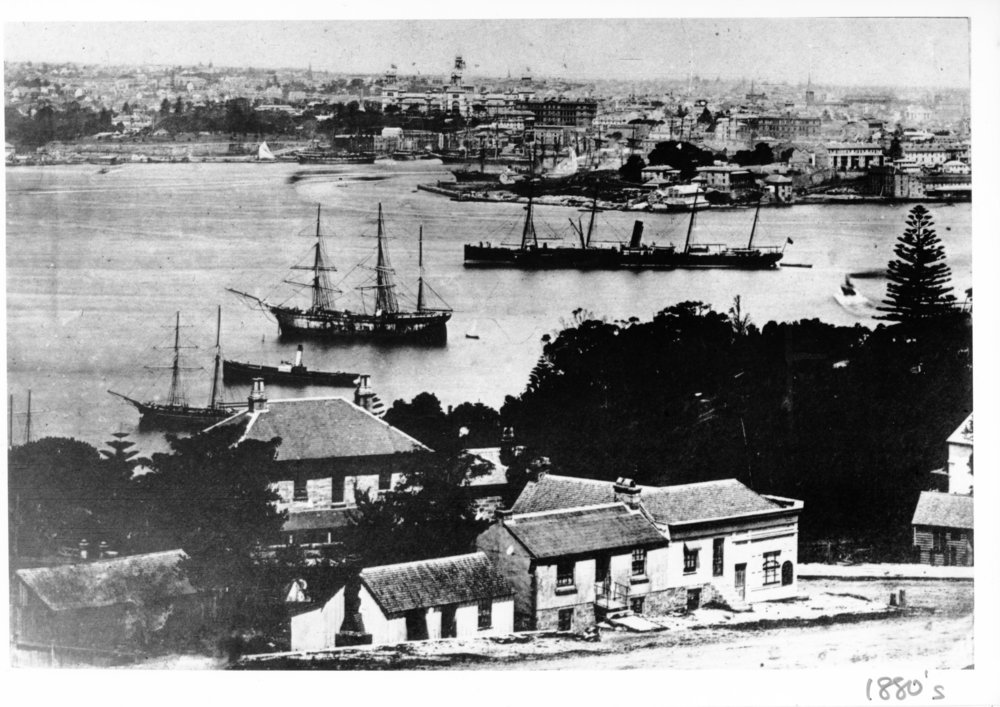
(286, 373)
(175, 411)
(852, 300)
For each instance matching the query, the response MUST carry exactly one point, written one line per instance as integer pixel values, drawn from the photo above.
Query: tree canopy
(919, 277)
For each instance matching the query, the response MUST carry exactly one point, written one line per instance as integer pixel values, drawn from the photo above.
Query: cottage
(568, 566)
(331, 450)
(112, 604)
(720, 539)
(449, 597)
(943, 529)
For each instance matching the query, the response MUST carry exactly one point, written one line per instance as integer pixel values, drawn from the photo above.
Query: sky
(841, 51)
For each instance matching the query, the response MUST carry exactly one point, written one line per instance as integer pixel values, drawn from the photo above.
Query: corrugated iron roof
(427, 583)
(944, 510)
(122, 580)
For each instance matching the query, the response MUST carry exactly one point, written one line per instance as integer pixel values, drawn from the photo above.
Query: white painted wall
(317, 629)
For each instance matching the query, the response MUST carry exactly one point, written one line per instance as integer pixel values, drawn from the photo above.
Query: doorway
(449, 628)
(741, 580)
(416, 625)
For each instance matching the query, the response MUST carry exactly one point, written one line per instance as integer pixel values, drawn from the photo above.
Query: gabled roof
(122, 580)
(447, 580)
(708, 500)
(583, 530)
(962, 435)
(323, 428)
(944, 510)
(553, 492)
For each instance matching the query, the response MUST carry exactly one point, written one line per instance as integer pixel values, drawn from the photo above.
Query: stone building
(622, 547)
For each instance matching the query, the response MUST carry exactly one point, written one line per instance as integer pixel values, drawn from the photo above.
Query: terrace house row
(577, 550)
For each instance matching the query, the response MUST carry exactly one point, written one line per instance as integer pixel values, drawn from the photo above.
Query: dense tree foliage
(681, 155)
(918, 276)
(428, 514)
(631, 171)
(469, 424)
(847, 419)
(60, 492)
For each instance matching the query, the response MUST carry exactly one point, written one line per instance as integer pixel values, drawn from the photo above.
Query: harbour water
(98, 263)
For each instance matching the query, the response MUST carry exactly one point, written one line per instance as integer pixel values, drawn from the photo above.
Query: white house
(448, 597)
(691, 543)
(960, 458)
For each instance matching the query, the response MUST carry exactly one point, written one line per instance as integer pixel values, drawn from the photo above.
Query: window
(565, 619)
(690, 559)
(636, 604)
(564, 574)
(300, 492)
(938, 537)
(384, 480)
(771, 567)
(717, 550)
(639, 562)
(485, 614)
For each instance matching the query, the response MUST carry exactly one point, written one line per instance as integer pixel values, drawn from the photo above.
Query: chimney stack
(364, 396)
(298, 355)
(627, 492)
(258, 398)
(102, 549)
(84, 547)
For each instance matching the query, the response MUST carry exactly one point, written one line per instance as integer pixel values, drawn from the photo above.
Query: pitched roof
(122, 580)
(944, 510)
(427, 583)
(582, 530)
(962, 435)
(553, 492)
(666, 504)
(323, 428)
(707, 500)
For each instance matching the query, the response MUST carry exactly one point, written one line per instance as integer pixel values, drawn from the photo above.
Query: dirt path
(839, 645)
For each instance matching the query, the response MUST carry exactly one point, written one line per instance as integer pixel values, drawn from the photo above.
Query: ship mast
(385, 297)
(593, 213)
(218, 359)
(420, 278)
(320, 284)
(175, 397)
(694, 207)
(754, 228)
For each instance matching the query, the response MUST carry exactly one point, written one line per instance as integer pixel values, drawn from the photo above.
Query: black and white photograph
(538, 342)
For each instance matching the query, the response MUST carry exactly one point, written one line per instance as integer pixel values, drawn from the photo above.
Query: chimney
(258, 398)
(507, 445)
(364, 396)
(502, 515)
(102, 549)
(84, 547)
(627, 492)
(298, 355)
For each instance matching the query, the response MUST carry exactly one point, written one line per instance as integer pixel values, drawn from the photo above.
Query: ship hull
(403, 326)
(237, 371)
(335, 159)
(162, 416)
(484, 256)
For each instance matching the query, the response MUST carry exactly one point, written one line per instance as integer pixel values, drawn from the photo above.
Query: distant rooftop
(944, 510)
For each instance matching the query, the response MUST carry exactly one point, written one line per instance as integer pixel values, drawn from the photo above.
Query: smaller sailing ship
(286, 373)
(389, 321)
(175, 410)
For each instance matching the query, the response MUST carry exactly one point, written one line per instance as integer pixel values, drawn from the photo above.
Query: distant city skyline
(905, 52)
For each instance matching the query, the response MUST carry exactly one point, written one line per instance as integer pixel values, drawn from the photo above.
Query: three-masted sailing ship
(175, 410)
(389, 321)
